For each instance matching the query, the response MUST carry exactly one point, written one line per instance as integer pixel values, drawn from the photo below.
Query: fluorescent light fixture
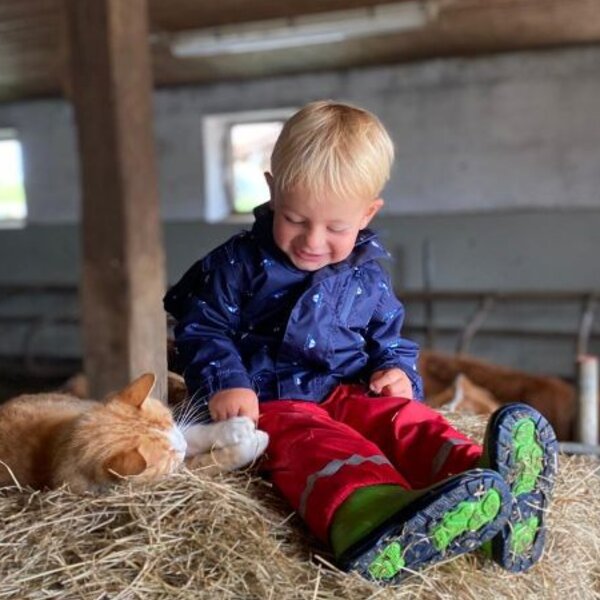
(304, 30)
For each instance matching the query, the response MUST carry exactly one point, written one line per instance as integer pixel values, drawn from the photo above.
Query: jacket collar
(367, 246)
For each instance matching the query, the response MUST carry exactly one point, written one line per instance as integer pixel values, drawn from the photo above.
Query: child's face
(316, 232)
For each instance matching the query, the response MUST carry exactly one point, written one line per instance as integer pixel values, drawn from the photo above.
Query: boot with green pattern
(521, 446)
(385, 532)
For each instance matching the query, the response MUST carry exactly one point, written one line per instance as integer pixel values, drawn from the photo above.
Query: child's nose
(314, 238)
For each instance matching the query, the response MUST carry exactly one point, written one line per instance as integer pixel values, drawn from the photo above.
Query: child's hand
(234, 402)
(391, 382)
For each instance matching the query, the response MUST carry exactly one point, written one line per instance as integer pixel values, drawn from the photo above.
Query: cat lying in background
(47, 440)
(554, 398)
(464, 396)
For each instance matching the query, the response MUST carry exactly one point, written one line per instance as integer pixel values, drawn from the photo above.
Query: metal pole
(474, 324)
(575, 448)
(587, 417)
(427, 264)
(586, 324)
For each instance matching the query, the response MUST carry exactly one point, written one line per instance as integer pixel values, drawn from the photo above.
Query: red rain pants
(319, 454)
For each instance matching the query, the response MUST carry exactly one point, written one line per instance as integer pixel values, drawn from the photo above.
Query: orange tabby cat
(50, 439)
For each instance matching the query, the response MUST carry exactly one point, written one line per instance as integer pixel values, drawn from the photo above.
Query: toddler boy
(295, 325)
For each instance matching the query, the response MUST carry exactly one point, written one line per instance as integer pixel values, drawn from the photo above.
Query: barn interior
(122, 167)
(133, 139)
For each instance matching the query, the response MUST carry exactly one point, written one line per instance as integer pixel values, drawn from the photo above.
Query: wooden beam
(123, 280)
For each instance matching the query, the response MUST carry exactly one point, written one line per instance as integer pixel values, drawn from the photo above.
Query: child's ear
(125, 464)
(371, 211)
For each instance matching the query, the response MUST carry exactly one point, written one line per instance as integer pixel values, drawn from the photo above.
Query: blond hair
(338, 147)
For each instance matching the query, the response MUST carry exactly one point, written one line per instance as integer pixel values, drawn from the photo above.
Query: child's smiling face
(318, 231)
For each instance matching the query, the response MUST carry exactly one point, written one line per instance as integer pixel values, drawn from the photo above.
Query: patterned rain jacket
(247, 317)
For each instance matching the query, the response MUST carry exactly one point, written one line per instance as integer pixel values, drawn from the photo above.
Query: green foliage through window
(13, 205)
(251, 145)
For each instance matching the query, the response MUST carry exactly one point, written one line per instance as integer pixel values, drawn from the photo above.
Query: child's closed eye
(293, 220)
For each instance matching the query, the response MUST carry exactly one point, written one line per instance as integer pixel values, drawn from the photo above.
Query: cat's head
(131, 434)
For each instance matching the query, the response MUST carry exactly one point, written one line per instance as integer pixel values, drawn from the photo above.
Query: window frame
(218, 172)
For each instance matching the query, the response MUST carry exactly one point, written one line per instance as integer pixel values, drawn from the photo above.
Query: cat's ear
(138, 390)
(125, 464)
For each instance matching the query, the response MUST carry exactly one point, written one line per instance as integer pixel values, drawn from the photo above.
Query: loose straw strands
(231, 537)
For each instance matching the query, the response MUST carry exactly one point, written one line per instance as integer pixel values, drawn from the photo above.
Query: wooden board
(31, 56)
(123, 276)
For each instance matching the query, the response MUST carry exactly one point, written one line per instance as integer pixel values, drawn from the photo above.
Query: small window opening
(250, 146)
(13, 204)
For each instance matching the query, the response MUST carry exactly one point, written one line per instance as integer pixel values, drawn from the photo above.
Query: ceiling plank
(177, 15)
(31, 53)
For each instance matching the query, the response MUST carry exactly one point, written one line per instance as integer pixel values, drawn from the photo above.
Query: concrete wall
(498, 169)
(497, 133)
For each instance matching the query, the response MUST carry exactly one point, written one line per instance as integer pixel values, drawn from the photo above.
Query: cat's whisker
(178, 413)
(194, 409)
(186, 412)
(190, 409)
(182, 409)
(188, 424)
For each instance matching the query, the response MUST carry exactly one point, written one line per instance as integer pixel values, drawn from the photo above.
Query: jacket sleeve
(386, 348)
(206, 303)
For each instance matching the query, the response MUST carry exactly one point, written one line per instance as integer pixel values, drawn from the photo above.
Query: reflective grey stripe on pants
(331, 469)
(444, 452)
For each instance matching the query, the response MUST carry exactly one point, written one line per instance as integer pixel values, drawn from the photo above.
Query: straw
(193, 536)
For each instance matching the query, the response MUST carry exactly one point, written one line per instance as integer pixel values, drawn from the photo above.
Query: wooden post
(124, 326)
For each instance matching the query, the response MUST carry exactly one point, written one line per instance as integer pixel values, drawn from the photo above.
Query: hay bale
(231, 537)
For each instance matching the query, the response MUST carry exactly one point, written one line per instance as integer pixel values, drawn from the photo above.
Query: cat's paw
(203, 437)
(246, 451)
(261, 441)
(231, 457)
(198, 439)
(234, 431)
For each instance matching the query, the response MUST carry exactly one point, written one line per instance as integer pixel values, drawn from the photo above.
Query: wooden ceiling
(32, 49)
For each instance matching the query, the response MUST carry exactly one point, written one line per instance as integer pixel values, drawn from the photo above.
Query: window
(251, 145)
(237, 151)
(13, 206)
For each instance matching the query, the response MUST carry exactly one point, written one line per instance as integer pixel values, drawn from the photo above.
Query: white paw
(262, 441)
(197, 439)
(249, 449)
(234, 431)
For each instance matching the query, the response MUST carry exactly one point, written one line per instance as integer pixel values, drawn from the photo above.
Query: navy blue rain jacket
(247, 317)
